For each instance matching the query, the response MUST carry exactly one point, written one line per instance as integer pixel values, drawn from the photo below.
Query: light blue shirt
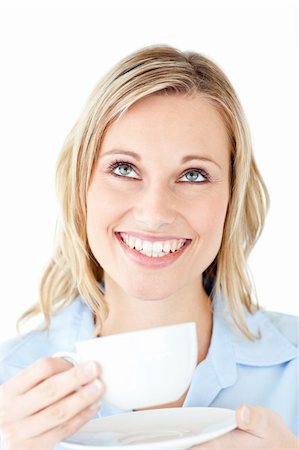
(235, 370)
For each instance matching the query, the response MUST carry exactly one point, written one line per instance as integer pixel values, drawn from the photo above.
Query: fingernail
(95, 406)
(89, 369)
(95, 386)
(245, 415)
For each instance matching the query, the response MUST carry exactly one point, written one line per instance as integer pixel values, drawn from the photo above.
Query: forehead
(167, 124)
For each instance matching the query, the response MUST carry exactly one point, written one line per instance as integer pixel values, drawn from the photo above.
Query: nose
(155, 207)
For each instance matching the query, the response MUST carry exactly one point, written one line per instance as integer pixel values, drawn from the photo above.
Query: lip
(151, 238)
(149, 261)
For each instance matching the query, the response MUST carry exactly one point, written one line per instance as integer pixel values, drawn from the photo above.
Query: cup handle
(71, 357)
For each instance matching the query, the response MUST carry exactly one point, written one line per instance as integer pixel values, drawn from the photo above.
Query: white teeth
(138, 244)
(131, 241)
(157, 247)
(173, 246)
(158, 254)
(166, 246)
(147, 248)
(182, 242)
(153, 249)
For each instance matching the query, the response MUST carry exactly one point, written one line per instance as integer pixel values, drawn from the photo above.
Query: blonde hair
(153, 70)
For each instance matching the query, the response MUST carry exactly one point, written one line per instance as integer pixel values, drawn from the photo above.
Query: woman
(161, 203)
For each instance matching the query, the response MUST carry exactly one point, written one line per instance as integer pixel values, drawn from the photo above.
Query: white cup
(144, 368)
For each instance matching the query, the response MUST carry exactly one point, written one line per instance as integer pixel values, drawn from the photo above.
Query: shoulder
(286, 324)
(72, 323)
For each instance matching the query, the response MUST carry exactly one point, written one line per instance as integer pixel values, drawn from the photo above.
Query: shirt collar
(228, 348)
(270, 348)
(218, 369)
(229, 344)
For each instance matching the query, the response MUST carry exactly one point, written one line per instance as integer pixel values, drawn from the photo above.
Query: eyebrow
(121, 152)
(137, 157)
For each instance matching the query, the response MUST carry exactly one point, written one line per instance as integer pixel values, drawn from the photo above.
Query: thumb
(266, 424)
(255, 420)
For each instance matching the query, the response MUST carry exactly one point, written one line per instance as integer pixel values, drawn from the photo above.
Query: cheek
(210, 219)
(208, 227)
(104, 208)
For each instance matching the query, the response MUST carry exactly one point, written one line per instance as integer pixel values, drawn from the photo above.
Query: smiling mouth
(156, 249)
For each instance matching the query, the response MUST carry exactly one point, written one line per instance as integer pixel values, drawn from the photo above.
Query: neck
(190, 304)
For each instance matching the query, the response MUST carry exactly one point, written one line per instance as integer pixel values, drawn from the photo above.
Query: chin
(149, 293)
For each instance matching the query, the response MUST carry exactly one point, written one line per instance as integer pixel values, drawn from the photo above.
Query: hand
(47, 402)
(258, 428)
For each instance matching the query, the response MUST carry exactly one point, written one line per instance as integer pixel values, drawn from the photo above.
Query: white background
(53, 54)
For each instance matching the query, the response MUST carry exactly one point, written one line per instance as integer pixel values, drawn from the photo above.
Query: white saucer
(156, 429)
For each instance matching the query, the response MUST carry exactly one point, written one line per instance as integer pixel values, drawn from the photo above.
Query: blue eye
(195, 176)
(123, 168)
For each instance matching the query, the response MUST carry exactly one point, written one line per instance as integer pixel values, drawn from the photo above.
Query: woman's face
(162, 175)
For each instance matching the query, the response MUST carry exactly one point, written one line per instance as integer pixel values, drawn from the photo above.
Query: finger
(34, 374)
(24, 381)
(266, 424)
(69, 427)
(53, 389)
(257, 420)
(60, 412)
(48, 440)
(234, 440)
